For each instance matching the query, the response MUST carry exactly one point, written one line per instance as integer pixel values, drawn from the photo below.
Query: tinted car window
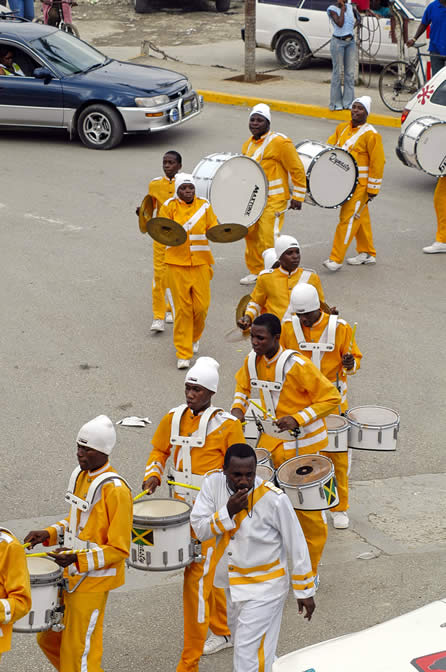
(320, 5)
(439, 97)
(67, 54)
(416, 8)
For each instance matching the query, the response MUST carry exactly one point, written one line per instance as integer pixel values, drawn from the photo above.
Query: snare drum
(422, 145)
(337, 429)
(373, 428)
(309, 481)
(250, 429)
(161, 538)
(332, 173)
(45, 577)
(235, 185)
(266, 472)
(263, 457)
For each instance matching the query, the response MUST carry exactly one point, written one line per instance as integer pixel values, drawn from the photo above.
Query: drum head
(335, 422)
(377, 416)
(431, 149)
(332, 178)
(238, 191)
(41, 566)
(159, 508)
(265, 471)
(304, 470)
(262, 454)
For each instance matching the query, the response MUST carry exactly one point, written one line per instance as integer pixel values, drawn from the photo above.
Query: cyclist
(435, 17)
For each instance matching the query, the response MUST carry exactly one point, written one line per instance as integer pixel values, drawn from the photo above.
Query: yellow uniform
(273, 289)
(189, 271)
(204, 605)
(160, 189)
(15, 590)
(331, 367)
(365, 145)
(440, 209)
(280, 161)
(106, 526)
(308, 397)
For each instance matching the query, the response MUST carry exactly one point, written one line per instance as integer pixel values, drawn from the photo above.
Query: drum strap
(306, 275)
(258, 154)
(325, 344)
(355, 137)
(197, 440)
(196, 217)
(268, 386)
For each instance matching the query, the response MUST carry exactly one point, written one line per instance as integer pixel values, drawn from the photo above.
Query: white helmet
(304, 299)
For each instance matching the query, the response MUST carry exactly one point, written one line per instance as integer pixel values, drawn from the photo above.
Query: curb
(294, 108)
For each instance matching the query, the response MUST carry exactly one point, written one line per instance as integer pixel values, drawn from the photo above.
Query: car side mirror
(43, 73)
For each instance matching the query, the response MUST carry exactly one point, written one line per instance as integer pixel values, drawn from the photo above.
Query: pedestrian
(255, 529)
(343, 54)
(435, 17)
(204, 606)
(440, 209)
(22, 8)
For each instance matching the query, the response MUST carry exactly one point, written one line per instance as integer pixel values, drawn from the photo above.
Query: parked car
(429, 101)
(144, 6)
(295, 30)
(69, 84)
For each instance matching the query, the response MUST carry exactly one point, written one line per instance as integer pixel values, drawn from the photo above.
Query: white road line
(40, 218)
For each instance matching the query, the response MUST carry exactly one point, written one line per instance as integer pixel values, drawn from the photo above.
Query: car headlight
(189, 86)
(150, 102)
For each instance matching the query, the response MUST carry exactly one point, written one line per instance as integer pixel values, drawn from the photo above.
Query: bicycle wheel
(398, 83)
(70, 28)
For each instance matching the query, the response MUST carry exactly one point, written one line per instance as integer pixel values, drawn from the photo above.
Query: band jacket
(196, 218)
(15, 589)
(161, 189)
(252, 547)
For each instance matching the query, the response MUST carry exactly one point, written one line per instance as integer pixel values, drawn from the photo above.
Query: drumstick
(141, 494)
(263, 409)
(358, 214)
(184, 485)
(28, 543)
(281, 212)
(48, 553)
(352, 338)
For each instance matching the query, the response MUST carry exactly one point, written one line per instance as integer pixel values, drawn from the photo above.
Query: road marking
(40, 218)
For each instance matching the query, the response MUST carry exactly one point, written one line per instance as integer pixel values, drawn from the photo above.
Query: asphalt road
(75, 342)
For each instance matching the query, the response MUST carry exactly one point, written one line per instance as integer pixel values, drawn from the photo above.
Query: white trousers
(255, 628)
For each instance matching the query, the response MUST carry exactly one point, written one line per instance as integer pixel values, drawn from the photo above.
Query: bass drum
(422, 145)
(332, 173)
(235, 186)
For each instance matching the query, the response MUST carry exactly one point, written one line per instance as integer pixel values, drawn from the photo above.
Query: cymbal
(145, 213)
(166, 231)
(226, 233)
(241, 308)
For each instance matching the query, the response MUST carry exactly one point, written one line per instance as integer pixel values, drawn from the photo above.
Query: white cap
(262, 109)
(98, 434)
(205, 373)
(304, 299)
(365, 101)
(283, 243)
(269, 257)
(183, 178)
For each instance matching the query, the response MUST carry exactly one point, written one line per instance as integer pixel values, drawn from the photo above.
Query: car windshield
(415, 8)
(67, 54)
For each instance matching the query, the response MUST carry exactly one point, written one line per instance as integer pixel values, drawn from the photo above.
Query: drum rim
(363, 425)
(320, 481)
(163, 521)
(417, 140)
(51, 578)
(342, 429)
(314, 160)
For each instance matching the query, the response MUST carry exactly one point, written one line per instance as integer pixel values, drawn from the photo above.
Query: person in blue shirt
(343, 54)
(435, 17)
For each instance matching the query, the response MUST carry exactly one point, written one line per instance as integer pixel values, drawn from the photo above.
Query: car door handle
(303, 18)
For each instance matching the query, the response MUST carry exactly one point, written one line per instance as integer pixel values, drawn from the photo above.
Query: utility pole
(250, 40)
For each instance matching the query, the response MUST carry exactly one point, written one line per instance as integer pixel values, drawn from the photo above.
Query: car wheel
(292, 50)
(71, 29)
(100, 127)
(222, 5)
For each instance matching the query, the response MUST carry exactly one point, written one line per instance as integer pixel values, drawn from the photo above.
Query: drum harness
(83, 505)
(270, 386)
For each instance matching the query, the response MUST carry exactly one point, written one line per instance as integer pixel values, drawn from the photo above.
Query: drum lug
(148, 558)
(195, 550)
(165, 558)
(321, 491)
(300, 496)
(380, 436)
(31, 618)
(180, 554)
(395, 433)
(336, 441)
(360, 435)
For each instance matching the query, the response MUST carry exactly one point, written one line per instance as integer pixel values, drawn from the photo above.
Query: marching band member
(304, 399)
(161, 189)
(15, 589)
(189, 267)
(279, 159)
(365, 144)
(273, 287)
(440, 209)
(327, 341)
(200, 434)
(100, 541)
(255, 528)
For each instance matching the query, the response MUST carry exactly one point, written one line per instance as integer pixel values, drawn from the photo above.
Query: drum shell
(171, 545)
(266, 472)
(249, 192)
(264, 457)
(340, 172)
(411, 150)
(337, 438)
(311, 496)
(45, 597)
(369, 436)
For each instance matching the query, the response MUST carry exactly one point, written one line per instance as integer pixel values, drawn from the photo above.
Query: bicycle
(400, 80)
(57, 13)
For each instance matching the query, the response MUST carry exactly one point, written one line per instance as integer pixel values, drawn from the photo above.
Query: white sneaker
(248, 279)
(169, 318)
(435, 248)
(195, 347)
(183, 363)
(361, 258)
(340, 519)
(317, 582)
(331, 265)
(157, 325)
(216, 643)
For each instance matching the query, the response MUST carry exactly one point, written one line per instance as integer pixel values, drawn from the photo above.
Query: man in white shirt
(255, 528)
